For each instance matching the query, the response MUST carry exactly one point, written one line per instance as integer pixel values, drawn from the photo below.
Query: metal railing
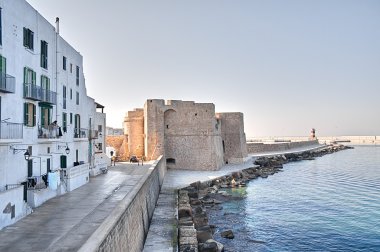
(34, 92)
(80, 133)
(37, 182)
(9, 130)
(7, 83)
(48, 132)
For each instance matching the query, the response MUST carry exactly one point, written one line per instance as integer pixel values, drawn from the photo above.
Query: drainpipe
(56, 63)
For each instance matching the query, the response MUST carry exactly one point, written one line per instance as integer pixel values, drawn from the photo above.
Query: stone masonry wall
(127, 225)
(135, 130)
(274, 147)
(235, 147)
(192, 136)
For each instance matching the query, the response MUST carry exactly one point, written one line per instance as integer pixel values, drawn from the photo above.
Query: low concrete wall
(322, 139)
(12, 206)
(274, 147)
(126, 227)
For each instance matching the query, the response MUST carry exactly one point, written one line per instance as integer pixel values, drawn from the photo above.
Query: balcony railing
(80, 133)
(37, 182)
(49, 96)
(48, 132)
(7, 83)
(34, 92)
(94, 134)
(9, 130)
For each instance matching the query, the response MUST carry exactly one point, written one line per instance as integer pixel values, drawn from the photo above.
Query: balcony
(9, 130)
(49, 132)
(80, 133)
(34, 92)
(7, 83)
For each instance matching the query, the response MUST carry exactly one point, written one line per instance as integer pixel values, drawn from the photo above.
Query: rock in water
(227, 234)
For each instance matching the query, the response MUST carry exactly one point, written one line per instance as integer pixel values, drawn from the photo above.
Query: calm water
(328, 204)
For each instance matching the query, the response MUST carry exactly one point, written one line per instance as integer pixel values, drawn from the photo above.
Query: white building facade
(50, 141)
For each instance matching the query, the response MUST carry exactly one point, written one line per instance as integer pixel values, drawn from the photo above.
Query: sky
(288, 65)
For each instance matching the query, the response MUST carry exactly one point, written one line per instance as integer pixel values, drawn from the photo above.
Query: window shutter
(26, 113)
(49, 116)
(34, 115)
(31, 40)
(34, 77)
(25, 37)
(25, 73)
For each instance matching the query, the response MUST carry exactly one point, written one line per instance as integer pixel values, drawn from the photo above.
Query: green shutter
(34, 115)
(34, 78)
(25, 74)
(25, 37)
(26, 116)
(3, 64)
(49, 116)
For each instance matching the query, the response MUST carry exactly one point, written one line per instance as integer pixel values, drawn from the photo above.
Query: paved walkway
(65, 222)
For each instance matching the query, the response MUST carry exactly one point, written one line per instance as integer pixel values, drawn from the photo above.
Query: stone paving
(65, 222)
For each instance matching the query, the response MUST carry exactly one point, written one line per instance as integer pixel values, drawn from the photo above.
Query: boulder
(227, 234)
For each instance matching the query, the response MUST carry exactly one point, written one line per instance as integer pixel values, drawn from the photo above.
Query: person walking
(112, 158)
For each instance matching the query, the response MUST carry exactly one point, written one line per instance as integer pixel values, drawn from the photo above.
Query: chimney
(57, 25)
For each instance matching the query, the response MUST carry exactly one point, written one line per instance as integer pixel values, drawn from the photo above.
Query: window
(71, 68)
(29, 76)
(44, 54)
(71, 93)
(77, 98)
(28, 39)
(29, 114)
(64, 122)
(77, 74)
(1, 30)
(64, 63)
(64, 97)
(46, 112)
(3, 66)
(45, 83)
(100, 128)
(71, 118)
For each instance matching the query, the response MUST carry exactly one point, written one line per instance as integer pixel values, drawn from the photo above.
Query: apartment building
(52, 135)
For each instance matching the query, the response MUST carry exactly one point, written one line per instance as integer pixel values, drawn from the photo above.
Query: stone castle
(190, 135)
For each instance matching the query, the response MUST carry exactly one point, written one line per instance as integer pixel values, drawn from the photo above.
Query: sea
(331, 203)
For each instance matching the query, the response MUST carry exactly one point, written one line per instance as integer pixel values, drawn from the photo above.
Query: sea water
(331, 203)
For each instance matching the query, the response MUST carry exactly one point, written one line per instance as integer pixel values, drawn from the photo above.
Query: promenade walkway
(65, 222)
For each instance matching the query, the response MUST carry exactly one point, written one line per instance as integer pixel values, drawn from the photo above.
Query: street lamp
(67, 149)
(27, 155)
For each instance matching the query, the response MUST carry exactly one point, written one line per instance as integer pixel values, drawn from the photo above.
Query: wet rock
(209, 246)
(184, 211)
(227, 234)
(204, 235)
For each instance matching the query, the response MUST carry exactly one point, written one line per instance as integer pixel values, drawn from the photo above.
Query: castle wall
(192, 137)
(233, 136)
(134, 122)
(154, 128)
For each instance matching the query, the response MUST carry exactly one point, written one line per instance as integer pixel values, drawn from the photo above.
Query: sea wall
(126, 227)
(356, 140)
(277, 147)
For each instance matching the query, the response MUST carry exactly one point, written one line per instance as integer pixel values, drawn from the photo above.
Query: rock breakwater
(195, 231)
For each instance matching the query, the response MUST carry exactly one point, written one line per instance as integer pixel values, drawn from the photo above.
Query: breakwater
(195, 232)
(126, 227)
(253, 148)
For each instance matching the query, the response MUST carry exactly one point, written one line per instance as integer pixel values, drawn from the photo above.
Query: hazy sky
(287, 65)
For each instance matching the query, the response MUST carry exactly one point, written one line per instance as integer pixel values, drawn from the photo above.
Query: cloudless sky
(288, 65)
